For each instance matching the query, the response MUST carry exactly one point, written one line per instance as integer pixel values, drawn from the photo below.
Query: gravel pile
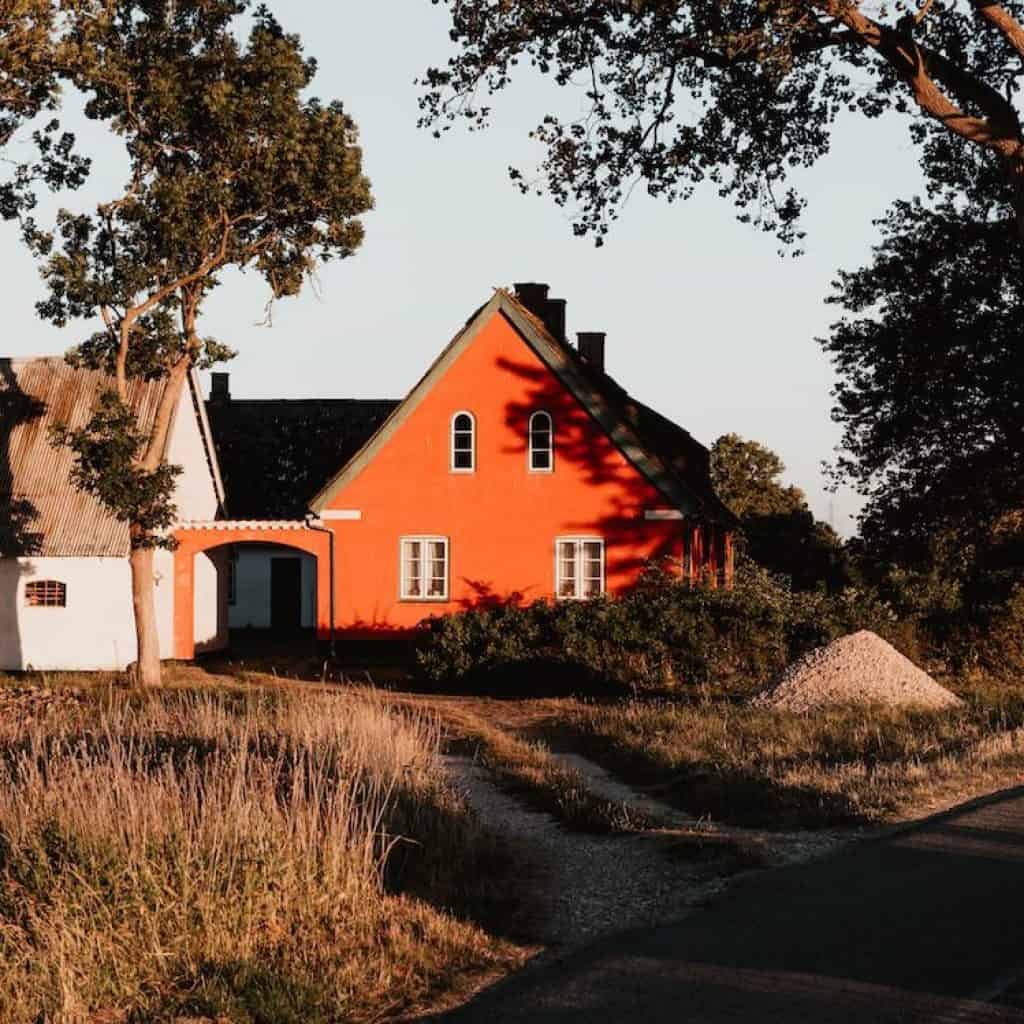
(861, 668)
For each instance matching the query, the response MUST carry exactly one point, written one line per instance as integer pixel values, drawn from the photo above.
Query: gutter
(313, 523)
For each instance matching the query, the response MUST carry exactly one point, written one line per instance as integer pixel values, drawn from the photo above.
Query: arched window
(46, 594)
(463, 459)
(542, 443)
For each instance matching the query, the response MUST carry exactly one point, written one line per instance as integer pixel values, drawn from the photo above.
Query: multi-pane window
(424, 568)
(542, 450)
(463, 443)
(579, 567)
(46, 594)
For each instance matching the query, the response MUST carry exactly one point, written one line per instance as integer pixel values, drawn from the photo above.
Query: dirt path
(920, 927)
(587, 885)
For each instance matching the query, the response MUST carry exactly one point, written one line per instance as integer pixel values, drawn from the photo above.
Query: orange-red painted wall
(502, 520)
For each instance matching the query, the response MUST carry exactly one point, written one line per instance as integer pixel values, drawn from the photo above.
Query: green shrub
(663, 633)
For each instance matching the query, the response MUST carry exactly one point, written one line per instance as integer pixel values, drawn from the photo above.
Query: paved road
(926, 925)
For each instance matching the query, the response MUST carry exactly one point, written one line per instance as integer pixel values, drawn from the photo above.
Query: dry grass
(256, 858)
(756, 766)
(529, 770)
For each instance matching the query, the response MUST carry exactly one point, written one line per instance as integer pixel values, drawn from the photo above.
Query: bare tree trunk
(147, 667)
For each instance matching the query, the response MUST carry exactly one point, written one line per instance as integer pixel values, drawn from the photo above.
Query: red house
(515, 469)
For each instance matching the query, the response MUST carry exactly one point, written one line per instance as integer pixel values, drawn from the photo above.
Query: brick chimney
(552, 311)
(591, 347)
(219, 391)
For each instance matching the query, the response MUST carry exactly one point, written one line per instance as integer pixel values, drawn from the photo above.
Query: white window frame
(551, 442)
(472, 446)
(403, 579)
(579, 594)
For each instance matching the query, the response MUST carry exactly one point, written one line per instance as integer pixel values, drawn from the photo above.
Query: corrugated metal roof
(41, 512)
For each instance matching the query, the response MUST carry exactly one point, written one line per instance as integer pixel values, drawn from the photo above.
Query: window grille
(542, 443)
(46, 594)
(424, 569)
(579, 568)
(463, 453)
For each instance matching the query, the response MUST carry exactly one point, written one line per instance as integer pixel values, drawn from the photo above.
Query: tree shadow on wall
(19, 536)
(599, 466)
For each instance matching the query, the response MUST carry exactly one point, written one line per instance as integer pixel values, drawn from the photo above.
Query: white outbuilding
(65, 594)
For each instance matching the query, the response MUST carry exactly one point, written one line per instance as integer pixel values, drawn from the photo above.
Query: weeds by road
(218, 854)
(775, 769)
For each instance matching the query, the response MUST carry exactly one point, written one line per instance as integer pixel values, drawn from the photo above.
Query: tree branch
(997, 15)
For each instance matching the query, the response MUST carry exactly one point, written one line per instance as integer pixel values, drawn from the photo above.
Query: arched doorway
(290, 559)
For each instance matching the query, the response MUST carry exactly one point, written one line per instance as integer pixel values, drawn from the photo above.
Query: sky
(705, 322)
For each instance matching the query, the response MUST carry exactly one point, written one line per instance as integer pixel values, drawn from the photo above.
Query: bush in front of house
(663, 634)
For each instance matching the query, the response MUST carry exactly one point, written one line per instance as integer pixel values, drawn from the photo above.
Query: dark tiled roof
(276, 454)
(41, 512)
(682, 457)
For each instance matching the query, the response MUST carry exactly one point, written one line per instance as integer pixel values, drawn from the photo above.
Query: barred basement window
(424, 569)
(46, 594)
(542, 443)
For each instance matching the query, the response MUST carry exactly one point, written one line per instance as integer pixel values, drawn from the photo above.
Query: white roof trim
(207, 435)
(662, 513)
(244, 524)
(342, 513)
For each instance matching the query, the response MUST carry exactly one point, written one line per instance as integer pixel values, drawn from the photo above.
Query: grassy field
(753, 766)
(253, 857)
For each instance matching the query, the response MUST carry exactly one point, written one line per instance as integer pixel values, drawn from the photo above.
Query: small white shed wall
(251, 609)
(94, 631)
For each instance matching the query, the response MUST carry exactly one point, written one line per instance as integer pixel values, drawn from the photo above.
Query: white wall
(210, 600)
(94, 631)
(251, 609)
(194, 495)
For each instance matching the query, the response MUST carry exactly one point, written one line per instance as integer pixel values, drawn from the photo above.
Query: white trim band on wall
(662, 513)
(342, 513)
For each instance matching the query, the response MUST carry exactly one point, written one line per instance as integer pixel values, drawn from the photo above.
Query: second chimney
(591, 348)
(552, 311)
(219, 391)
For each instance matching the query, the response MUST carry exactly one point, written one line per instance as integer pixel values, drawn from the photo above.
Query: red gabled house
(515, 469)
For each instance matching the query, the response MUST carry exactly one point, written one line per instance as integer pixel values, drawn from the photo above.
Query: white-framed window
(46, 594)
(579, 568)
(463, 443)
(542, 442)
(424, 568)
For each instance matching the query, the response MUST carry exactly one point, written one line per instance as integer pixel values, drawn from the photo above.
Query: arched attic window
(463, 443)
(46, 594)
(542, 443)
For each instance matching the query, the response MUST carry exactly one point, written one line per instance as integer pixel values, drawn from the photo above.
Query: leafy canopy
(678, 92)
(930, 390)
(231, 166)
(779, 531)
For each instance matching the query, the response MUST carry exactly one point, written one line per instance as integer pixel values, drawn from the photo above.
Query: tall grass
(221, 855)
(836, 766)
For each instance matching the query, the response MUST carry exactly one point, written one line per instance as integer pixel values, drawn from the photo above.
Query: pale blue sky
(705, 322)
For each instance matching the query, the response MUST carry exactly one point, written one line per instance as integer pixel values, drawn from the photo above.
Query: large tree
(230, 166)
(930, 383)
(676, 92)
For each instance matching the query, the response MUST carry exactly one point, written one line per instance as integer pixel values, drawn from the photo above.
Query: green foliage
(746, 475)
(32, 52)
(779, 531)
(676, 94)
(931, 383)
(107, 451)
(664, 633)
(231, 166)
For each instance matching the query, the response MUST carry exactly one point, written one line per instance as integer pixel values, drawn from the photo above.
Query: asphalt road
(925, 925)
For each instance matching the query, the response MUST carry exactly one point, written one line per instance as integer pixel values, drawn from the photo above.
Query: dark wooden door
(285, 593)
